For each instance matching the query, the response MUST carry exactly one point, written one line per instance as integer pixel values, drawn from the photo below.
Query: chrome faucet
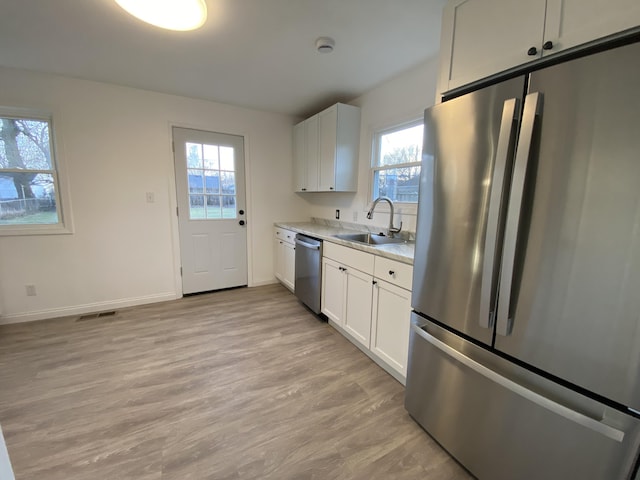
(391, 230)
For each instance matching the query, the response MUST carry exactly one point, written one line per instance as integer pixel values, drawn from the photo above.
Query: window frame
(375, 160)
(62, 196)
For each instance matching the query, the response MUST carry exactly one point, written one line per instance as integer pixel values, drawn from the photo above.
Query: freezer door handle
(532, 107)
(544, 402)
(500, 179)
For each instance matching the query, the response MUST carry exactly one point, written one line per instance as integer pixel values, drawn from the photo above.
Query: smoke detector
(325, 44)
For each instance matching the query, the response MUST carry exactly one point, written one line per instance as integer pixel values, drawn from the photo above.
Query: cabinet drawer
(394, 272)
(285, 235)
(349, 256)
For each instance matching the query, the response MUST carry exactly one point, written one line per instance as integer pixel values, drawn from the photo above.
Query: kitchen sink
(370, 238)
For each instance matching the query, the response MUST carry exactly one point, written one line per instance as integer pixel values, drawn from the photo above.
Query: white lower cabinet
(333, 291)
(357, 318)
(373, 313)
(390, 325)
(285, 257)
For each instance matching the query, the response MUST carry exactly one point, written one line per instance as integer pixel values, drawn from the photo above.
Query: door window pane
(196, 207)
(227, 159)
(212, 181)
(194, 155)
(211, 172)
(211, 157)
(196, 181)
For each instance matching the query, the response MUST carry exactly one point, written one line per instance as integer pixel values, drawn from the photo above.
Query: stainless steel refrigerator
(525, 341)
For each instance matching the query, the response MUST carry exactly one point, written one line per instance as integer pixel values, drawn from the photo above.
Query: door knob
(241, 212)
(241, 222)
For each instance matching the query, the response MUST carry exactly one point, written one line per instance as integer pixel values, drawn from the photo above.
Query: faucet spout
(391, 230)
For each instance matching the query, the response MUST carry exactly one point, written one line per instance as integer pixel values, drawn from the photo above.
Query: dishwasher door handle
(307, 245)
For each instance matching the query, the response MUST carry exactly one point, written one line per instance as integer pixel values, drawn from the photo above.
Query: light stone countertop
(326, 229)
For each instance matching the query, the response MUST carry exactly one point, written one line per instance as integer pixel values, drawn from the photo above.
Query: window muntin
(396, 162)
(29, 184)
(212, 181)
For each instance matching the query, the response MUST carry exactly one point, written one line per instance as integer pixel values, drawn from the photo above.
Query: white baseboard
(87, 308)
(262, 283)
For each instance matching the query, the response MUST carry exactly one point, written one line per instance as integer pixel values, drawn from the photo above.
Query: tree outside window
(396, 162)
(28, 178)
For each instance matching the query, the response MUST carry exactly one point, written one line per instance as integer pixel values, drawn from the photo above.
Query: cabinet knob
(330, 188)
(303, 189)
(392, 273)
(532, 51)
(374, 282)
(548, 45)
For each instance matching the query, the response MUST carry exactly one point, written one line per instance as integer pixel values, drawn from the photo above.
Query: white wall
(115, 144)
(399, 100)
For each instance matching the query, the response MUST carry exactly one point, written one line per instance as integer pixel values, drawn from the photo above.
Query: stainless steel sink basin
(370, 238)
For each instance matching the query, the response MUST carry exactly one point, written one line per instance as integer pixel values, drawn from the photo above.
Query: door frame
(173, 198)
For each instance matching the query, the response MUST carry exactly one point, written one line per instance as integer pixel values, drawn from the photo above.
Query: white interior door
(210, 187)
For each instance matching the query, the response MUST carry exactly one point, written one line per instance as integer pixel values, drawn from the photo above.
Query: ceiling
(253, 53)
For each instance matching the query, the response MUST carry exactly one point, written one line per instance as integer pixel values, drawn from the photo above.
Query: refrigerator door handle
(501, 177)
(547, 403)
(532, 107)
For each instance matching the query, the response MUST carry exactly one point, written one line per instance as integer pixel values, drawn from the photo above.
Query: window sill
(27, 230)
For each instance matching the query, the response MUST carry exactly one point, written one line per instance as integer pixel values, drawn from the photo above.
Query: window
(212, 181)
(29, 184)
(396, 162)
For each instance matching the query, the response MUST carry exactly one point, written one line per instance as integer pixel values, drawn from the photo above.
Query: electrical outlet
(31, 290)
(337, 214)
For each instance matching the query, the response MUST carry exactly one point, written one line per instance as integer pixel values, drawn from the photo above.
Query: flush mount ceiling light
(179, 15)
(325, 44)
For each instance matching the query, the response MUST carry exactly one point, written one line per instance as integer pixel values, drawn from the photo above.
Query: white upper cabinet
(325, 156)
(484, 37)
(299, 151)
(305, 155)
(574, 22)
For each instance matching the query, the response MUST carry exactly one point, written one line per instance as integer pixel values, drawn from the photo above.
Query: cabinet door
(289, 265)
(311, 146)
(484, 37)
(299, 158)
(328, 124)
(357, 318)
(278, 264)
(572, 22)
(333, 291)
(390, 325)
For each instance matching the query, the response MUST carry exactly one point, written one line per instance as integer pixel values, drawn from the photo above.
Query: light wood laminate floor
(238, 384)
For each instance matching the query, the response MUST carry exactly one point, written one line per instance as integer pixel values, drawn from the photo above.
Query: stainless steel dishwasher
(308, 271)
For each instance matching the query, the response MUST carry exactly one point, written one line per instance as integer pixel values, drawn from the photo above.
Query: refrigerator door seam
(557, 408)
